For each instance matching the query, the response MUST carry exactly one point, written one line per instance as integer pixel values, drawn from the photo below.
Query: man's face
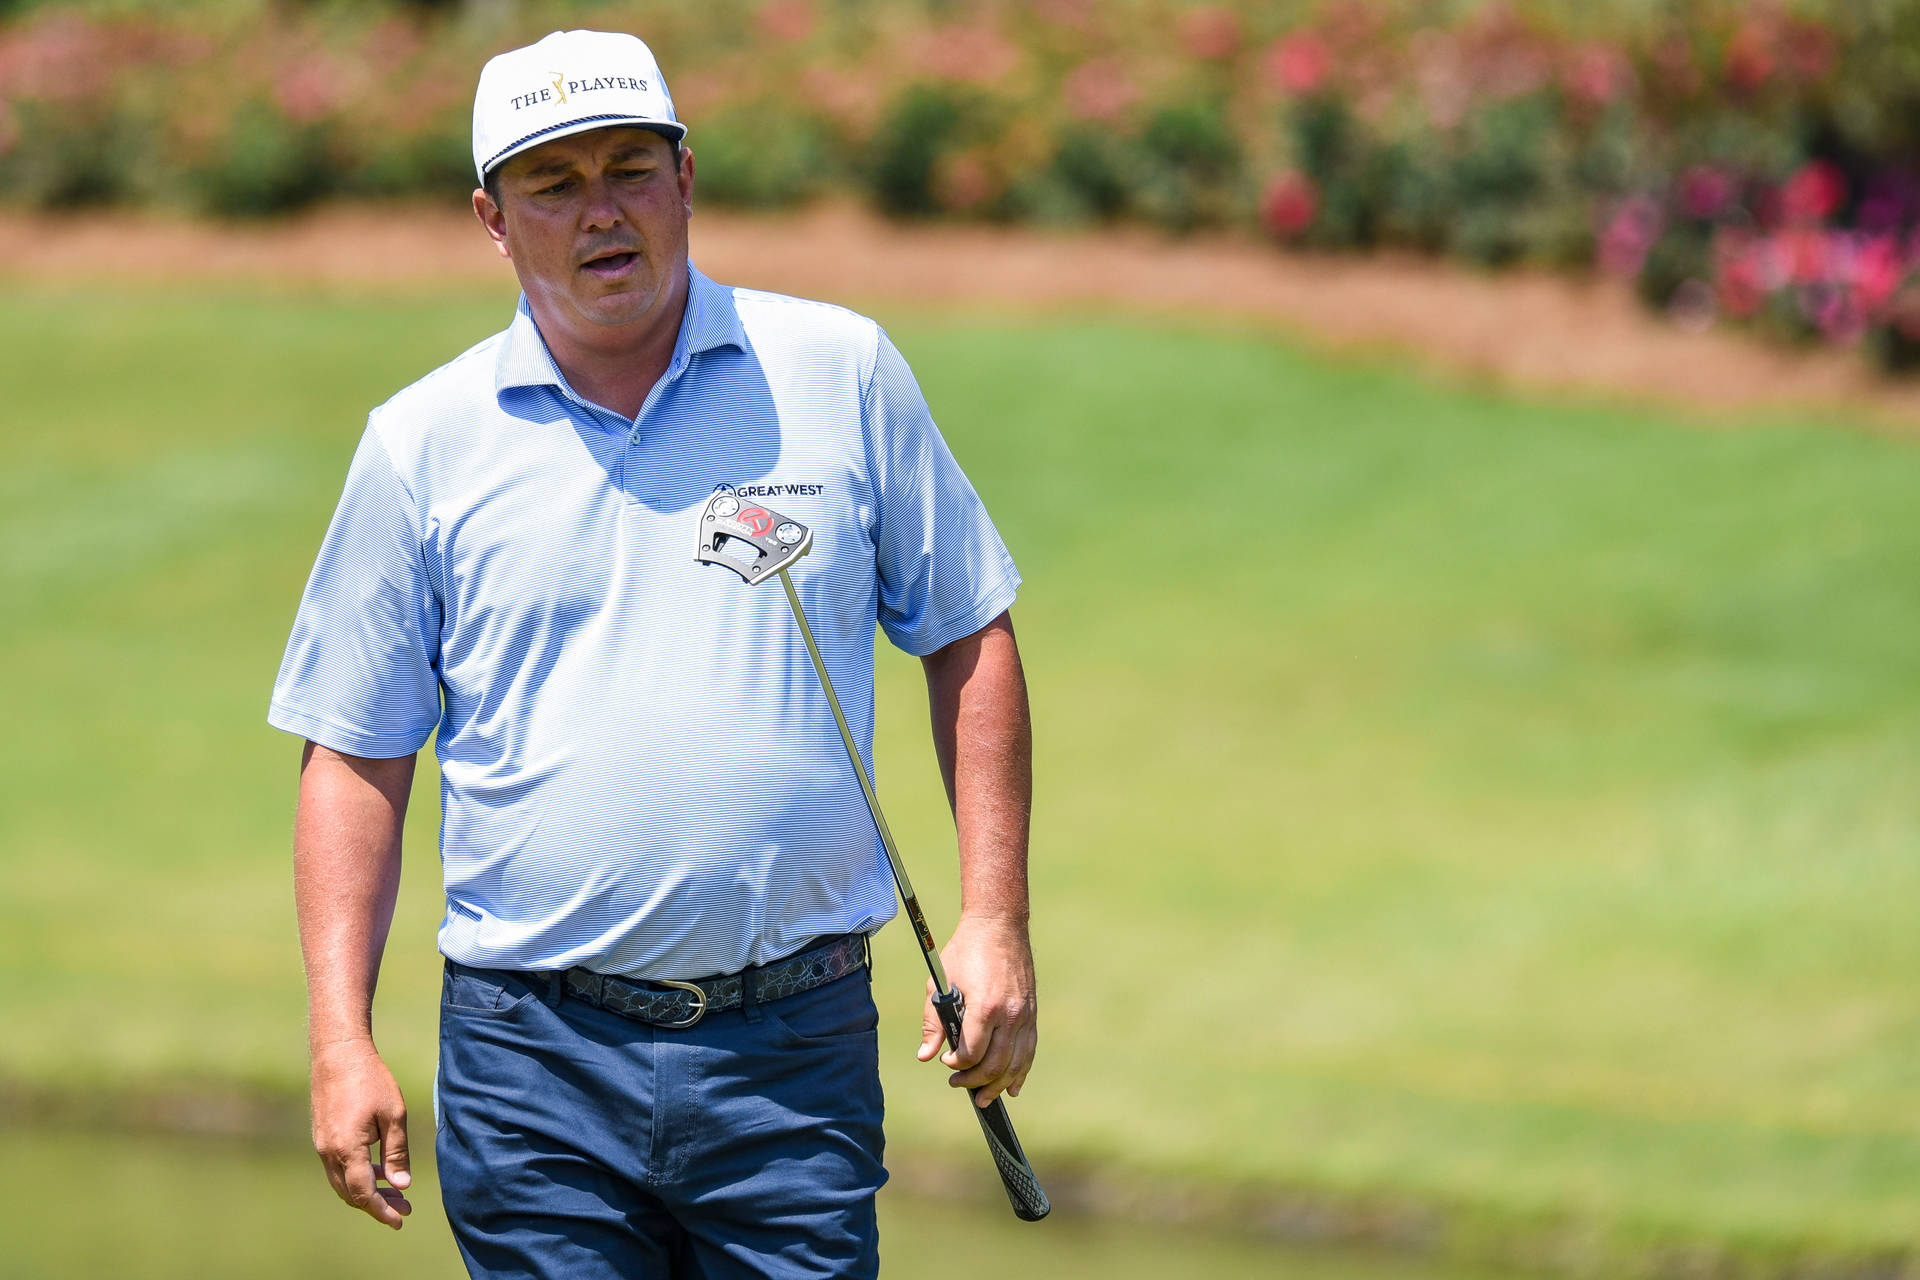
(596, 227)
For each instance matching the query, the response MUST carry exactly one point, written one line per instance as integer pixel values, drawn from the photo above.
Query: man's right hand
(357, 1105)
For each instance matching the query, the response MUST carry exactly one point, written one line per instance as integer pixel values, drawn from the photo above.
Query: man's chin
(612, 310)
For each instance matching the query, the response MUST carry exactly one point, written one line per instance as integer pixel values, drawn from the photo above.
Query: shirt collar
(709, 321)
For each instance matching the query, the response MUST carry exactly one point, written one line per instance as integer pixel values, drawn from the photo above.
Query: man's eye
(629, 175)
(553, 190)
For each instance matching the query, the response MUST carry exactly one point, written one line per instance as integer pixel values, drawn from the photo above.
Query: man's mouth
(611, 264)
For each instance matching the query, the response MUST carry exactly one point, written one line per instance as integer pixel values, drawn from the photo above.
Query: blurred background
(1476, 829)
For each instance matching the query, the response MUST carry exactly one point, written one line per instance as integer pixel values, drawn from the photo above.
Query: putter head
(731, 525)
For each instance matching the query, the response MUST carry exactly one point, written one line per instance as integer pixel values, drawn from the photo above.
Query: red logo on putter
(757, 519)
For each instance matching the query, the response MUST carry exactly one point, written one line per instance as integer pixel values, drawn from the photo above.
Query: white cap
(567, 82)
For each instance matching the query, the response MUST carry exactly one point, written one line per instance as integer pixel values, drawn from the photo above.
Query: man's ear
(685, 178)
(492, 219)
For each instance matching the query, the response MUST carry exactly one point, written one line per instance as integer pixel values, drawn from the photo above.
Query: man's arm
(346, 875)
(978, 699)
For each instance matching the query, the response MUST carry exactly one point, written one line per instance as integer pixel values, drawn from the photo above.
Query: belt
(677, 1005)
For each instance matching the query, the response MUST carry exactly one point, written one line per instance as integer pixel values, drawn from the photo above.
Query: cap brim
(671, 130)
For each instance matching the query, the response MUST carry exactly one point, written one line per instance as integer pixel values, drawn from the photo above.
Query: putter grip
(1029, 1202)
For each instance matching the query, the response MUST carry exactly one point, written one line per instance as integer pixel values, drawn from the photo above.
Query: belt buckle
(699, 1007)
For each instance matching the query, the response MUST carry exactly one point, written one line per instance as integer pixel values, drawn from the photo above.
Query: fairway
(1506, 804)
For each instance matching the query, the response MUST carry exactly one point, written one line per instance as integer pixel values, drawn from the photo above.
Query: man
(642, 786)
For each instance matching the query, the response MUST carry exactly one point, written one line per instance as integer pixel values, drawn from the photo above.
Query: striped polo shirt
(639, 772)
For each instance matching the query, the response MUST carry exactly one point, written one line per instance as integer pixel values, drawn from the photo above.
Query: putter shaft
(919, 922)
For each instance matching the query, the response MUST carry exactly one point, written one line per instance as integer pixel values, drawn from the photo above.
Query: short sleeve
(944, 572)
(360, 672)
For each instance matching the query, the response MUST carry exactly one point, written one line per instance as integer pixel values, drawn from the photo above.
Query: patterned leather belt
(677, 1005)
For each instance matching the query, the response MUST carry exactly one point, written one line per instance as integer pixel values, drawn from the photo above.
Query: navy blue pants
(577, 1143)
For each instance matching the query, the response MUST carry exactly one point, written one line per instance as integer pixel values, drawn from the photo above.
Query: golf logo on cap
(757, 520)
(566, 83)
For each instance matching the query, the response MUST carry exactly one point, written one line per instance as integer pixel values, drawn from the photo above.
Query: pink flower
(1629, 232)
(1705, 192)
(854, 100)
(1298, 64)
(1804, 253)
(1836, 313)
(389, 44)
(1289, 205)
(308, 89)
(1813, 193)
(1210, 32)
(1100, 89)
(1597, 75)
(1877, 271)
(59, 57)
(970, 54)
(788, 20)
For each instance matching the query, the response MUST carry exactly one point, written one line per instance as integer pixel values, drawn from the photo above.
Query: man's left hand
(991, 962)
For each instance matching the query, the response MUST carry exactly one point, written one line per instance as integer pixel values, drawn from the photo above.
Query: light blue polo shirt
(640, 773)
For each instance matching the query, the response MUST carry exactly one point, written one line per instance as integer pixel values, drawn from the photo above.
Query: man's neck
(616, 367)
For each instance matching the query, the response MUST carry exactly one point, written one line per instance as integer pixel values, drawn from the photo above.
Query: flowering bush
(1750, 161)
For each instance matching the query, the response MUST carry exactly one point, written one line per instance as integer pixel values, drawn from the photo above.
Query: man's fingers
(335, 1178)
(931, 1032)
(393, 1150)
(990, 1073)
(977, 1033)
(360, 1191)
(1029, 1044)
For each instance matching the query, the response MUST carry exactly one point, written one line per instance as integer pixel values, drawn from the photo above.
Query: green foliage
(67, 156)
(435, 162)
(1087, 180)
(1679, 255)
(920, 127)
(762, 156)
(1189, 171)
(266, 164)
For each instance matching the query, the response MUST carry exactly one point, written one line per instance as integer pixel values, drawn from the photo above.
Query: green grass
(1500, 802)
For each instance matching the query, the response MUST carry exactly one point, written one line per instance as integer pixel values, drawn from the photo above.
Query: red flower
(1597, 75)
(1806, 254)
(1298, 63)
(1750, 61)
(1289, 205)
(1813, 193)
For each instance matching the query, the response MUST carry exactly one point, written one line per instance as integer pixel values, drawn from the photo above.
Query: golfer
(658, 1053)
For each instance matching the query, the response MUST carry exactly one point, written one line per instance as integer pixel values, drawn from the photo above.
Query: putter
(729, 529)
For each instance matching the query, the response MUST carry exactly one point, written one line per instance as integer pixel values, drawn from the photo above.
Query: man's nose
(600, 211)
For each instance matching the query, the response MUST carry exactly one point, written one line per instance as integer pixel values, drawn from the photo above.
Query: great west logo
(564, 88)
(772, 490)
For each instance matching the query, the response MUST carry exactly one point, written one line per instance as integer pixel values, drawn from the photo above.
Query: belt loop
(556, 987)
(750, 993)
